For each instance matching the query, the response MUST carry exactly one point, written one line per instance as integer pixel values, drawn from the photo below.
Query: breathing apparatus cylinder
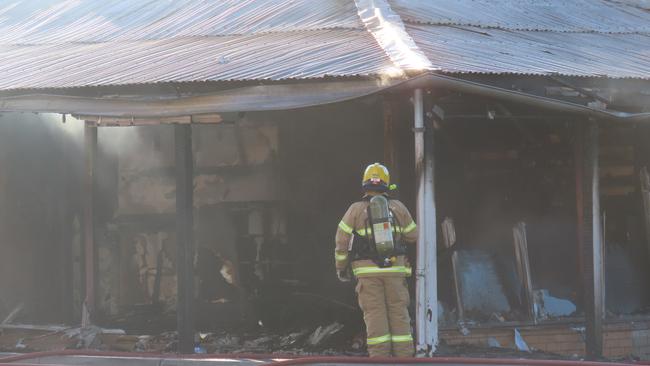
(381, 224)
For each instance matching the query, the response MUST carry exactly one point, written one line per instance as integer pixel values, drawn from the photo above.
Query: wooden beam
(523, 268)
(644, 176)
(184, 238)
(594, 271)
(579, 162)
(457, 289)
(210, 118)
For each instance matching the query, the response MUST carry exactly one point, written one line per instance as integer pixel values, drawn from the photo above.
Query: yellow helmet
(376, 178)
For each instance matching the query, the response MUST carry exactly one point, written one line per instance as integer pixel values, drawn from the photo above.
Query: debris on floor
(292, 339)
(462, 328)
(520, 343)
(322, 334)
(493, 343)
(13, 314)
(328, 339)
(548, 306)
(33, 338)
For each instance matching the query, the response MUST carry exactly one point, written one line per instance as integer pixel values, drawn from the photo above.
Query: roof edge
(389, 31)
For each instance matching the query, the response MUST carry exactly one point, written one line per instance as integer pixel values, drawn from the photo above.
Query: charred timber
(184, 238)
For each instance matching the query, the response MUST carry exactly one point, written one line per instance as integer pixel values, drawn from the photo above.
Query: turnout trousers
(384, 301)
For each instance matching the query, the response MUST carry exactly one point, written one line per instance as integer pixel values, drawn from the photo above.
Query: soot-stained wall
(492, 175)
(270, 189)
(234, 166)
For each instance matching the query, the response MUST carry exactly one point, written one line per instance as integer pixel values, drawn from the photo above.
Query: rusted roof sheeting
(69, 21)
(273, 56)
(495, 51)
(598, 16)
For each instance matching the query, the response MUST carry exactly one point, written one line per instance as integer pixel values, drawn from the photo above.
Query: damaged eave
(292, 96)
(434, 80)
(250, 98)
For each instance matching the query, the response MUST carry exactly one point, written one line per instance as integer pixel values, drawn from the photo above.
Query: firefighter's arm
(409, 228)
(343, 237)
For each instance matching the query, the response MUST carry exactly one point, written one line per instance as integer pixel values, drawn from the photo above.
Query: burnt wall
(234, 181)
(623, 155)
(492, 175)
(270, 189)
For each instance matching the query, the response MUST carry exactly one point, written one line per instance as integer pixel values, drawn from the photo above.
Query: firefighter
(380, 267)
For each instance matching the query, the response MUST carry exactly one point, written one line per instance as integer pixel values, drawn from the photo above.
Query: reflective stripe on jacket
(368, 268)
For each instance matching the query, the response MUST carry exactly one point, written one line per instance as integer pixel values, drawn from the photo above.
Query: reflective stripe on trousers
(402, 338)
(390, 338)
(378, 340)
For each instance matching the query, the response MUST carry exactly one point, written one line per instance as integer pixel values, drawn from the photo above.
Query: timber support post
(184, 237)
(594, 263)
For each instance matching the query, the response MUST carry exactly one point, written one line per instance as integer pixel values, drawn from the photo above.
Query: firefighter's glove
(343, 275)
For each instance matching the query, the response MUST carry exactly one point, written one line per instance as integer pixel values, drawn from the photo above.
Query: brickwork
(620, 339)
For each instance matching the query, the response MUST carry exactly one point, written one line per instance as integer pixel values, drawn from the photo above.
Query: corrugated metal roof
(66, 21)
(479, 50)
(641, 4)
(275, 56)
(533, 37)
(544, 15)
(73, 43)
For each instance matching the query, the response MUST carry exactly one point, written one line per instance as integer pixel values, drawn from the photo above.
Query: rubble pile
(327, 339)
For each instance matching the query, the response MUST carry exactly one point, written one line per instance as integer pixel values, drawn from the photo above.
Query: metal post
(430, 242)
(90, 149)
(184, 237)
(420, 286)
(426, 283)
(594, 326)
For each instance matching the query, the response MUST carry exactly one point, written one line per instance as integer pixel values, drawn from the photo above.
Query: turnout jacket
(356, 220)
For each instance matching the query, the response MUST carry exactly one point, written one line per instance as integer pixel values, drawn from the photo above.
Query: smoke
(41, 179)
(40, 175)
(70, 126)
(121, 141)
